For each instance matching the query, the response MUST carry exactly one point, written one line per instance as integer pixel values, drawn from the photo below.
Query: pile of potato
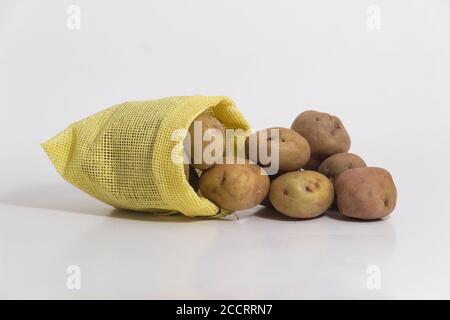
(316, 172)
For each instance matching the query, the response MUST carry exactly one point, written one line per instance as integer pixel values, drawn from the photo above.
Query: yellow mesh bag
(123, 155)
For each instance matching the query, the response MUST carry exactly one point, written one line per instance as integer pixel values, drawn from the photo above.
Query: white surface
(390, 87)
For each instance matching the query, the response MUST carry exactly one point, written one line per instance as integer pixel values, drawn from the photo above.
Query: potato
(366, 193)
(234, 186)
(293, 149)
(207, 123)
(338, 163)
(301, 194)
(325, 133)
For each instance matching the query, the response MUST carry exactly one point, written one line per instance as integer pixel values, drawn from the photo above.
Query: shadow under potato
(271, 214)
(335, 215)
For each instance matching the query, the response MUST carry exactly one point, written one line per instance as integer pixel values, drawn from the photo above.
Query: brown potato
(325, 133)
(234, 186)
(366, 193)
(302, 194)
(339, 162)
(207, 122)
(293, 149)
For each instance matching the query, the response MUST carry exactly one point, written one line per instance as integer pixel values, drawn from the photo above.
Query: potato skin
(366, 193)
(234, 186)
(294, 151)
(301, 194)
(325, 133)
(207, 122)
(339, 162)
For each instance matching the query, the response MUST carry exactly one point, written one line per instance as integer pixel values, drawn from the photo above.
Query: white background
(391, 88)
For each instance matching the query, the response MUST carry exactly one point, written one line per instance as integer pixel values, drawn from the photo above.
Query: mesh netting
(123, 155)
